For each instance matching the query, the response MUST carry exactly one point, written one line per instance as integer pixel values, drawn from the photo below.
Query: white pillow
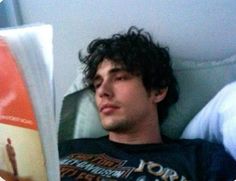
(216, 122)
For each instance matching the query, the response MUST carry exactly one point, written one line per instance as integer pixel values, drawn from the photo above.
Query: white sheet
(216, 122)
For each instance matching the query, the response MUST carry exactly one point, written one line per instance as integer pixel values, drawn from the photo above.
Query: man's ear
(159, 95)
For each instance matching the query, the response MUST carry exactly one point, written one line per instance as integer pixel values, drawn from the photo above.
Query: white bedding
(216, 122)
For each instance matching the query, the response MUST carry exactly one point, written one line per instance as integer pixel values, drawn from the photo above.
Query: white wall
(192, 29)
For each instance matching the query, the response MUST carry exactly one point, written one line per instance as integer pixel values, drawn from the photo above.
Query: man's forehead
(108, 65)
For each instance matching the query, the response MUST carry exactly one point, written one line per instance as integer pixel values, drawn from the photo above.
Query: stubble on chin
(119, 126)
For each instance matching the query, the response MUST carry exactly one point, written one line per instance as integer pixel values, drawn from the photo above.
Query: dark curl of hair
(138, 54)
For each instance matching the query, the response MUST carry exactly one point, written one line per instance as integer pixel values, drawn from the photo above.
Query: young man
(134, 87)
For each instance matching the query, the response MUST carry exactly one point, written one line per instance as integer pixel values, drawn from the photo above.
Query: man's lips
(108, 108)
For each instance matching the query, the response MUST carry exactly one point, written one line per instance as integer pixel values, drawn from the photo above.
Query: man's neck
(145, 136)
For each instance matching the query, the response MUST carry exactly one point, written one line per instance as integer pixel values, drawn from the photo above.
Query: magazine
(28, 139)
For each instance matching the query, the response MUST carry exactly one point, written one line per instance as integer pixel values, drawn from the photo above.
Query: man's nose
(105, 89)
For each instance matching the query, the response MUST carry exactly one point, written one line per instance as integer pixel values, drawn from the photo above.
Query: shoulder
(194, 143)
(200, 147)
(208, 151)
(203, 145)
(217, 163)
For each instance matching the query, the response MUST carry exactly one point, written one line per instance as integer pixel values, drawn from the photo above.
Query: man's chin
(115, 126)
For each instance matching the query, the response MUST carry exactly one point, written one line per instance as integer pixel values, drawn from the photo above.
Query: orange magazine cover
(21, 155)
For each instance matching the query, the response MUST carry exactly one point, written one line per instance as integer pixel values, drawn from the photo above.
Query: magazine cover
(21, 155)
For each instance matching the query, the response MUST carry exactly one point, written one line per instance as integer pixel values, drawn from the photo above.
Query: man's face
(123, 103)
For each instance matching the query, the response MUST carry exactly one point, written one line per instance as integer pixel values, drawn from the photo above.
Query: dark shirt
(102, 159)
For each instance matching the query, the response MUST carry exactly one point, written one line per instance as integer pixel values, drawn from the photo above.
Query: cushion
(79, 116)
(216, 122)
(198, 83)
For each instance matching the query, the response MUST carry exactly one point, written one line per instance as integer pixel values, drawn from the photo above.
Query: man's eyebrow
(111, 71)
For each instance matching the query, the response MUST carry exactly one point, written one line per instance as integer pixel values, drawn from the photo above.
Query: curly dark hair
(138, 54)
